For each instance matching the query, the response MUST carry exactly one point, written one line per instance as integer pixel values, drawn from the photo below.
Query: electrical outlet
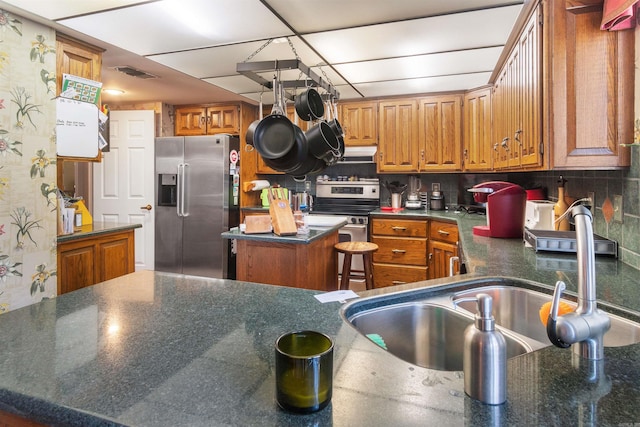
(591, 195)
(617, 208)
(435, 186)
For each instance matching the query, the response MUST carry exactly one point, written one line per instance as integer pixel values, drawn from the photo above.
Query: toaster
(539, 215)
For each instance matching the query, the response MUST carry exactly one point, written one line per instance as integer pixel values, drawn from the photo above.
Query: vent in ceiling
(130, 71)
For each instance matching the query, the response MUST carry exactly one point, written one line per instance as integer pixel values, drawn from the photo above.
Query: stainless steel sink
(424, 327)
(517, 309)
(424, 334)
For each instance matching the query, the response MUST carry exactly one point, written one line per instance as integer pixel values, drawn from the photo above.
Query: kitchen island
(156, 349)
(305, 261)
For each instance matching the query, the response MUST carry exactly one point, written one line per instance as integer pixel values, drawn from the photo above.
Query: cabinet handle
(466, 153)
(430, 256)
(398, 228)
(398, 251)
(504, 143)
(202, 119)
(398, 282)
(495, 147)
(517, 136)
(422, 154)
(443, 233)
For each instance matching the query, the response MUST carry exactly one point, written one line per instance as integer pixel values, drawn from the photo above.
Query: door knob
(148, 207)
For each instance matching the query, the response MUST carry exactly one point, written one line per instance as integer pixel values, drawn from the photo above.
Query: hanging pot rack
(251, 70)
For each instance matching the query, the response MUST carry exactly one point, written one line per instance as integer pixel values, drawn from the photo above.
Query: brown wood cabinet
(79, 59)
(443, 245)
(402, 251)
(476, 154)
(421, 134)
(590, 88)
(207, 120)
(440, 135)
(517, 102)
(398, 149)
(86, 261)
(359, 121)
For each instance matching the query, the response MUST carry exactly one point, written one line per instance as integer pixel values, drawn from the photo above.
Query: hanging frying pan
(274, 136)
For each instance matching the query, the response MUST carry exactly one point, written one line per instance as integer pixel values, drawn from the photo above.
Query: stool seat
(356, 248)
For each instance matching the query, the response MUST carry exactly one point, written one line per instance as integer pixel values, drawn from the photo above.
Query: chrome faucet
(585, 327)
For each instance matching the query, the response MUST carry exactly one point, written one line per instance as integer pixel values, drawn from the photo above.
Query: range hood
(359, 154)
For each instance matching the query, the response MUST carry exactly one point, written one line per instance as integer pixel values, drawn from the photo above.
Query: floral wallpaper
(28, 221)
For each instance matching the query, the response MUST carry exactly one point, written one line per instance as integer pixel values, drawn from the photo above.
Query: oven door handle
(351, 226)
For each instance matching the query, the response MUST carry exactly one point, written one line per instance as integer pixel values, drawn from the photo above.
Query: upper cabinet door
(591, 90)
(223, 119)
(78, 59)
(440, 135)
(398, 148)
(82, 60)
(359, 122)
(477, 149)
(191, 121)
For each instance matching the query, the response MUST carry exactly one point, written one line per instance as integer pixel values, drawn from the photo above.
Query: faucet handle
(553, 316)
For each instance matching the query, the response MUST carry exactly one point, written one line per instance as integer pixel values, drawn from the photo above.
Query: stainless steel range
(353, 199)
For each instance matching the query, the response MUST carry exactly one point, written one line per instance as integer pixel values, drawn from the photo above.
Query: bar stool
(358, 248)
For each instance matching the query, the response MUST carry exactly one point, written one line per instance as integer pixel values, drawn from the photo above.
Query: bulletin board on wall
(76, 128)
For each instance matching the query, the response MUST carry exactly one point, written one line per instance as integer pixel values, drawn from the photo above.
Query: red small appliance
(506, 204)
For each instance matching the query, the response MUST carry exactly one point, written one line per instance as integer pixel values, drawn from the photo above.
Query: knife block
(282, 218)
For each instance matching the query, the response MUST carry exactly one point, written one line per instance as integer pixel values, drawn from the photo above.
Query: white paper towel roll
(258, 185)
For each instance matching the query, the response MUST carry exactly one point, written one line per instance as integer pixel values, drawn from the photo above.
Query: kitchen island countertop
(156, 349)
(96, 229)
(314, 234)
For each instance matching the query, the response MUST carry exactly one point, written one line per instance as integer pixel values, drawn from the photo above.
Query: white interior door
(123, 187)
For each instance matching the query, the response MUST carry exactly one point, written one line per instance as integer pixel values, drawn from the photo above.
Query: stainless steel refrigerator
(197, 198)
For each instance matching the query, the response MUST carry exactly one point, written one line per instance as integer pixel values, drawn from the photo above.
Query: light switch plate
(617, 208)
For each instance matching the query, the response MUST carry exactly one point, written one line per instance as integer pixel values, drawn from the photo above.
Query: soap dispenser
(485, 356)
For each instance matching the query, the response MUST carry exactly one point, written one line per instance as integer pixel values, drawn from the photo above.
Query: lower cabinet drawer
(390, 275)
(407, 251)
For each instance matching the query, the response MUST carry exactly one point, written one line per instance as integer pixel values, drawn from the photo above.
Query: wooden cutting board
(257, 224)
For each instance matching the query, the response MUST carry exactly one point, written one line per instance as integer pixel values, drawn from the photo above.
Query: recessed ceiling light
(113, 91)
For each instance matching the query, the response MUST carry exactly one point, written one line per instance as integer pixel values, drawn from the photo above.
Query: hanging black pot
(309, 105)
(323, 142)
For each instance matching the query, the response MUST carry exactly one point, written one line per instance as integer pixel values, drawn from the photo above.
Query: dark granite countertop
(96, 229)
(156, 349)
(315, 233)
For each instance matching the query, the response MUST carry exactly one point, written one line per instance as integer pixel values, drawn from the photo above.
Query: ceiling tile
(306, 16)
(460, 62)
(222, 60)
(174, 25)
(424, 85)
(54, 10)
(451, 32)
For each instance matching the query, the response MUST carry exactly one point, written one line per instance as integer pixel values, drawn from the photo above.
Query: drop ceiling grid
(373, 47)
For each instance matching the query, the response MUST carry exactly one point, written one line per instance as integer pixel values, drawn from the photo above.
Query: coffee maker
(505, 203)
